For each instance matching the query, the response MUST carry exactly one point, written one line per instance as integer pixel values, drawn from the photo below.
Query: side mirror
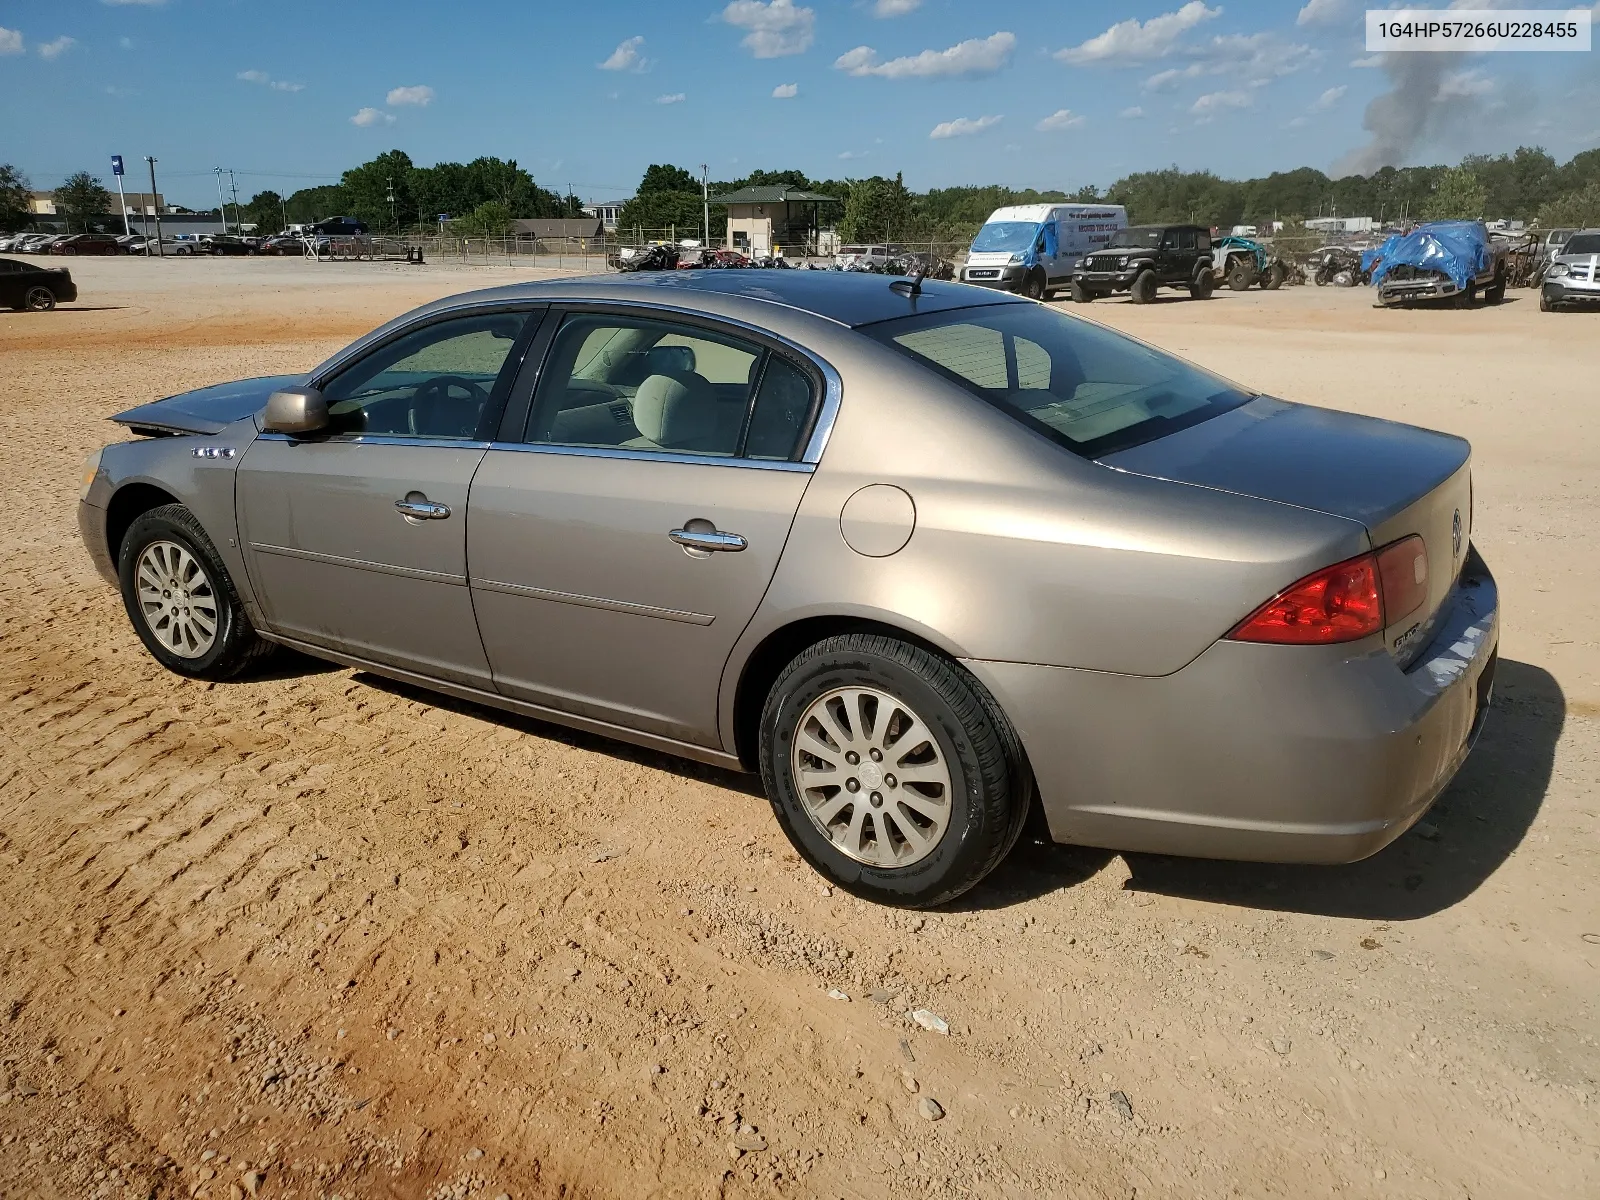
(296, 410)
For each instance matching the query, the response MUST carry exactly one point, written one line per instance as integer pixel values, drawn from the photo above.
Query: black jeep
(1142, 258)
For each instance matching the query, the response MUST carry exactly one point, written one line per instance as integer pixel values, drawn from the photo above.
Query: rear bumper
(1265, 753)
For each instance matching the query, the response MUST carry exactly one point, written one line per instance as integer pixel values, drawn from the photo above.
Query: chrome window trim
(378, 439)
(601, 602)
(389, 332)
(694, 460)
(359, 564)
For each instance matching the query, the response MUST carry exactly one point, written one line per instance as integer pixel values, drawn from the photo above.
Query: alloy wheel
(40, 299)
(871, 776)
(177, 599)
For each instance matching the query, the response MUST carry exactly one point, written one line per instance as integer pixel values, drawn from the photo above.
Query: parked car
(86, 243)
(28, 287)
(1574, 277)
(37, 243)
(283, 244)
(225, 244)
(924, 555)
(1440, 261)
(340, 227)
(861, 258)
(170, 247)
(1143, 258)
(8, 241)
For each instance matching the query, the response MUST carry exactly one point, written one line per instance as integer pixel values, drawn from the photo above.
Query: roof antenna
(911, 286)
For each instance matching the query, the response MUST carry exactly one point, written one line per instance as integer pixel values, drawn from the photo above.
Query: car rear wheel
(1202, 286)
(892, 771)
(1240, 275)
(39, 299)
(1496, 291)
(1143, 290)
(181, 600)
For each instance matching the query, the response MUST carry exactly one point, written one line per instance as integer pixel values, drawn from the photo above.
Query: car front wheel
(892, 771)
(181, 600)
(1143, 290)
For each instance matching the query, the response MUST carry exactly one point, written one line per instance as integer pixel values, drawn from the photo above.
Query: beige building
(44, 203)
(765, 220)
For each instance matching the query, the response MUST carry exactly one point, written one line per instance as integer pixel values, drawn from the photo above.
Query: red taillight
(1336, 604)
(1344, 602)
(1403, 576)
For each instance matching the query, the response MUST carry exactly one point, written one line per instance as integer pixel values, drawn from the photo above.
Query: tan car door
(618, 550)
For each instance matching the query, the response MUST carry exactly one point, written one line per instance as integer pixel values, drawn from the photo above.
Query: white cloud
(672, 98)
(627, 56)
(963, 127)
(1370, 60)
(372, 116)
(847, 155)
(895, 8)
(1131, 114)
(775, 29)
(1465, 85)
(126, 43)
(786, 91)
(1320, 12)
(976, 56)
(420, 95)
(10, 41)
(54, 50)
(253, 76)
(1131, 41)
(1062, 118)
(1253, 58)
(1212, 103)
(1329, 98)
(1297, 122)
(277, 85)
(283, 85)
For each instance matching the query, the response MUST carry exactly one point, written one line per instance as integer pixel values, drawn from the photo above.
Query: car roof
(847, 297)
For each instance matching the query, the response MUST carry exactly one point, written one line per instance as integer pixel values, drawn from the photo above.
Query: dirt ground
(317, 934)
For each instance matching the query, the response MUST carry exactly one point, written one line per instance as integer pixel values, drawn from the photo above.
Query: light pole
(221, 210)
(233, 186)
(393, 222)
(705, 205)
(155, 204)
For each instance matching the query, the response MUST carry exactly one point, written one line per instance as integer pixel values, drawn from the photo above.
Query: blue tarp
(1458, 248)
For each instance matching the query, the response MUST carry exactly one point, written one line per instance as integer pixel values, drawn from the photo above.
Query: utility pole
(234, 186)
(221, 209)
(156, 205)
(393, 221)
(705, 205)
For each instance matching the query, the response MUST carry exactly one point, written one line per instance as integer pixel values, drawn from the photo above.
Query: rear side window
(1085, 387)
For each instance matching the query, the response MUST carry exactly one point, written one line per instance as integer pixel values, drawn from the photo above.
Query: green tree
(264, 210)
(1575, 210)
(877, 209)
(489, 219)
(1457, 196)
(81, 198)
(367, 189)
(656, 212)
(15, 194)
(662, 177)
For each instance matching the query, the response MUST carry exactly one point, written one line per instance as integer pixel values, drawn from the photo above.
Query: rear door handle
(707, 540)
(418, 507)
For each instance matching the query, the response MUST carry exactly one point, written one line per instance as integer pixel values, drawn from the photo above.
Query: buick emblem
(1455, 536)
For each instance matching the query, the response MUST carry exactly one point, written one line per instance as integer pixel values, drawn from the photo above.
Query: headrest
(675, 413)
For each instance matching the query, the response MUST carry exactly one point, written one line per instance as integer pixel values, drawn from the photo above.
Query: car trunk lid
(1396, 480)
(206, 410)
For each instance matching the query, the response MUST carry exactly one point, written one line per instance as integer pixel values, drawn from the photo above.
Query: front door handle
(706, 540)
(417, 507)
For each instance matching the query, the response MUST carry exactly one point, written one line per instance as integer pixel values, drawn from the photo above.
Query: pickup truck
(1442, 261)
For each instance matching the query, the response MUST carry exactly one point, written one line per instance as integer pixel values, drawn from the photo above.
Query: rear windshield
(1085, 387)
(1143, 236)
(1582, 243)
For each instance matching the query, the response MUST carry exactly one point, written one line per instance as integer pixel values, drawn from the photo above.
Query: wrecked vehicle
(1574, 277)
(1338, 265)
(1437, 262)
(655, 257)
(914, 262)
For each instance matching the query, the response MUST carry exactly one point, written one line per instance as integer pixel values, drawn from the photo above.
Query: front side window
(435, 382)
(1186, 239)
(1087, 388)
(630, 383)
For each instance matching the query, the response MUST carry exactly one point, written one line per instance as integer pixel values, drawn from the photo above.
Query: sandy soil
(318, 935)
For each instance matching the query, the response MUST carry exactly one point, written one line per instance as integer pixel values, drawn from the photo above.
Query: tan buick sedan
(922, 554)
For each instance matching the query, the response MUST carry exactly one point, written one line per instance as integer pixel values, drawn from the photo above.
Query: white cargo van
(1030, 248)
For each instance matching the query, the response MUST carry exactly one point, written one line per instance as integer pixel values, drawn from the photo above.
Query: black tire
(1321, 278)
(1545, 303)
(1033, 286)
(1203, 286)
(991, 788)
(39, 299)
(1496, 291)
(235, 644)
(1143, 290)
(1274, 278)
(1467, 297)
(1240, 275)
(1082, 294)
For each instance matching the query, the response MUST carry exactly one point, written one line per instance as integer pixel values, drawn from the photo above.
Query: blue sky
(1041, 94)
